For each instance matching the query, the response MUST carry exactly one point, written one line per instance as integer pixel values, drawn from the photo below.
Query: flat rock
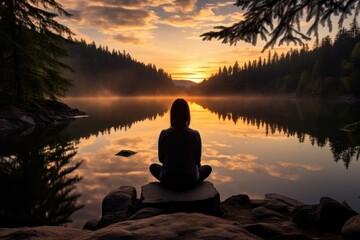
(203, 198)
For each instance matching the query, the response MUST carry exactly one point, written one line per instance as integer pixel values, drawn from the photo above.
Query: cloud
(127, 3)
(308, 167)
(115, 17)
(250, 163)
(206, 16)
(184, 6)
(127, 39)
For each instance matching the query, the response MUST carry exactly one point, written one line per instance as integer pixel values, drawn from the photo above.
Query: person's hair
(180, 114)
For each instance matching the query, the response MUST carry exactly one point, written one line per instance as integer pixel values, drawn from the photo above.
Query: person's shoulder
(196, 132)
(165, 131)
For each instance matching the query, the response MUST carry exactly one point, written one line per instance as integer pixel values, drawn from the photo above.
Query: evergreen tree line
(99, 71)
(332, 68)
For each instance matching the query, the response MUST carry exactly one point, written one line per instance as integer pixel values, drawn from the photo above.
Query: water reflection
(321, 121)
(114, 113)
(255, 146)
(38, 185)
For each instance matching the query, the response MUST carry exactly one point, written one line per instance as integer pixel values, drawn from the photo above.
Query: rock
(111, 218)
(257, 202)
(265, 213)
(39, 233)
(173, 226)
(288, 201)
(238, 199)
(117, 205)
(121, 200)
(125, 153)
(204, 198)
(145, 213)
(351, 229)
(283, 230)
(329, 214)
(16, 117)
(91, 224)
(276, 205)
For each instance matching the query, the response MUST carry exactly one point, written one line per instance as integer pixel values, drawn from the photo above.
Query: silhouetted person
(179, 150)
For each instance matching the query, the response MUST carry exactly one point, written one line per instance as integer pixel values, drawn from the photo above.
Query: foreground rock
(351, 229)
(43, 232)
(116, 207)
(274, 217)
(166, 226)
(203, 198)
(24, 118)
(328, 214)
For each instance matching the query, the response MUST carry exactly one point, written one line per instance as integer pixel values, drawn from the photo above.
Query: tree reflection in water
(38, 186)
(321, 121)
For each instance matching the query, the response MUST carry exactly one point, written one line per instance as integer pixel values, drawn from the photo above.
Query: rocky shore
(199, 214)
(18, 118)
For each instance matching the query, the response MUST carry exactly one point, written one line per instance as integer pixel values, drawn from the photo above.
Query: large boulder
(203, 198)
(117, 206)
(328, 214)
(120, 200)
(351, 229)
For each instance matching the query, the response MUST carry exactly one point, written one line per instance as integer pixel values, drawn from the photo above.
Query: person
(179, 151)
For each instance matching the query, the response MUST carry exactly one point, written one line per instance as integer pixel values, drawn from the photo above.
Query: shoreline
(25, 118)
(274, 217)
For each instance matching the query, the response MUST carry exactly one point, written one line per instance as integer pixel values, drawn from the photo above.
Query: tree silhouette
(279, 21)
(38, 186)
(330, 69)
(30, 49)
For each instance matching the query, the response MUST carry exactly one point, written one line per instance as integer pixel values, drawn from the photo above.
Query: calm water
(297, 148)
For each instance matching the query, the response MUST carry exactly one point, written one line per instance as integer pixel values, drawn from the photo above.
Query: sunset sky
(163, 32)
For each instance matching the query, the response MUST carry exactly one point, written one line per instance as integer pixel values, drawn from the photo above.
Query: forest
(331, 68)
(97, 71)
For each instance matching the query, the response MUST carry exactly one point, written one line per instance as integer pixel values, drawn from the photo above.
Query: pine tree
(278, 22)
(32, 48)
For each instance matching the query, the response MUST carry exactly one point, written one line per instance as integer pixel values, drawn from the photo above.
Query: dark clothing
(179, 151)
(204, 172)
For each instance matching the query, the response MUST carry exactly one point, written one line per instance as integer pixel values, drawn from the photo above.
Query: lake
(304, 149)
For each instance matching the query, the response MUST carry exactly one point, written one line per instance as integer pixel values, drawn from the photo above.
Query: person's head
(180, 114)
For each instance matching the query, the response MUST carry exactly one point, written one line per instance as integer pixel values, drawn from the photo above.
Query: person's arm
(198, 149)
(160, 147)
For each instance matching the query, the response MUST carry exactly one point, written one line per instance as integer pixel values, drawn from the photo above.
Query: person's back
(179, 152)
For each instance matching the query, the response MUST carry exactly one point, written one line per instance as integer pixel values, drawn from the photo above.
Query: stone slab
(204, 198)
(154, 192)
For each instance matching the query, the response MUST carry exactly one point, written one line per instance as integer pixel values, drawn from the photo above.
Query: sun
(192, 72)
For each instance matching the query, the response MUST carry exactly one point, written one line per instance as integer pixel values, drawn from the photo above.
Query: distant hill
(184, 83)
(97, 71)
